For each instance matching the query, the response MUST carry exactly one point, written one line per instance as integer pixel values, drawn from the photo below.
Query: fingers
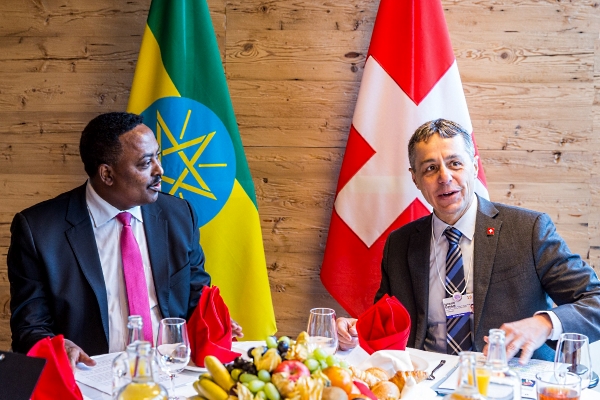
(513, 339)
(342, 329)
(76, 354)
(87, 360)
(236, 329)
(526, 352)
(73, 352)
(526, 335)
(347, 335)
(352, 330)
(73, 356)
(346, 328)
(348, 346)
(513, 347)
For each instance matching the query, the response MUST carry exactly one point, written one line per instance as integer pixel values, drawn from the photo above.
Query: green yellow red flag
(179, 87)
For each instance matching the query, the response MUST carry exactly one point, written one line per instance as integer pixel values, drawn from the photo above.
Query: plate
(240, 347)
(193, 367)
(419, 363)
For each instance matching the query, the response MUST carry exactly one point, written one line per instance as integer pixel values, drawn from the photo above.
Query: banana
(206, 375)
(219, 373)
(210, 390)
(199, 389)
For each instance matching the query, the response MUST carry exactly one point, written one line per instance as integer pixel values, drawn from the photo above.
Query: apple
(295, 369)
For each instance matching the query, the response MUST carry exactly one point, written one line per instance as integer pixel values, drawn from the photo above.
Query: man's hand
(236, 329)
(347, 335)
(526, 335)
(76, 355)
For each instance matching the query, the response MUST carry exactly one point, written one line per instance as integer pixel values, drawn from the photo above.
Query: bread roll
(378, 373)
(386, 390)
(400, 378)
(369, 379)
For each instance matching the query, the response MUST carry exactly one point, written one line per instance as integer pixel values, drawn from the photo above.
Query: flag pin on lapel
(490, 231)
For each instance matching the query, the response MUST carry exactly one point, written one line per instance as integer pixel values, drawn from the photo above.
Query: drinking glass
(172, 349)
(550, 386)
(483, 374)
(573, 355)
(322, 330)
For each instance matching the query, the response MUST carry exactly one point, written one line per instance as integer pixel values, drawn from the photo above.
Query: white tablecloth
(432, 360)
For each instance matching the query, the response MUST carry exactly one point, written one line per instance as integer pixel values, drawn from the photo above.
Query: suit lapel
(156, 231)
(418, 262)
(83, 244)
(484, 254)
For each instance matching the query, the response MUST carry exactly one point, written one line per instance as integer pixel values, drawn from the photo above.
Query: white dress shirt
(107, 231)
(436, 319)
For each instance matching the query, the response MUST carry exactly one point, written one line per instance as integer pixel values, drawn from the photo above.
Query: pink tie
(135, 280)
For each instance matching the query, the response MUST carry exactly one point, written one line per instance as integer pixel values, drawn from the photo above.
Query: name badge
(458, 306)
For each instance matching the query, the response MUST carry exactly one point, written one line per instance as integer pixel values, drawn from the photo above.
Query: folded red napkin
(209, 329)
(384, 326)
(57, 380)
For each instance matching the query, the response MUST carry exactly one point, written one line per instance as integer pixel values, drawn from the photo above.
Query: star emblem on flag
(189, 163)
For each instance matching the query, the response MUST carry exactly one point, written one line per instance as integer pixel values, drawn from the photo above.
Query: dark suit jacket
(519, 270)
(56, 280)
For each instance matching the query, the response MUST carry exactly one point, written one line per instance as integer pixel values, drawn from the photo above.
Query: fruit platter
(284, 368)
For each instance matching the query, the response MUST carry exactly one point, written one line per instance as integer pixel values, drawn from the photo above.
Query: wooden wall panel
(530, 70)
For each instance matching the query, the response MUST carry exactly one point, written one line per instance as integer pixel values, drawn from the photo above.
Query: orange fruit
(339, 377)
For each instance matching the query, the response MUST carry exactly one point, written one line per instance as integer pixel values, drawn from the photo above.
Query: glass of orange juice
(482, 373)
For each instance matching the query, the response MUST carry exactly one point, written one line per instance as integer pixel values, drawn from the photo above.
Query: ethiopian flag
(179, 87)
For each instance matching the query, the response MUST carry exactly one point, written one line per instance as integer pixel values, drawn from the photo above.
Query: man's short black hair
(100, 143)
(446, 129)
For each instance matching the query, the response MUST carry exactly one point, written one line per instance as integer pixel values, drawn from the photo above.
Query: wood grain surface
(530, 71)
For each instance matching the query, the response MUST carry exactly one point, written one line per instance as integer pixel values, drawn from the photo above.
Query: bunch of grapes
(282, 344)
(319, 359)
(242, 366)
(258, 381)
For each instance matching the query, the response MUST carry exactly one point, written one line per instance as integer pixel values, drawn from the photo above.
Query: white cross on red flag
(410, 77)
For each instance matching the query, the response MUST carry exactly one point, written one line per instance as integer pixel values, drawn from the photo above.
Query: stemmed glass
(322, 330)
(172, 349)
(573, 355)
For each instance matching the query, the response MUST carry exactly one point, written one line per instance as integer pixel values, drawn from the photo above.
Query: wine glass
(172, 349)
(322, 330)
(573, 355)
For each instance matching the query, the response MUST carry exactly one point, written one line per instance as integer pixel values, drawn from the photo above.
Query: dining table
(421, 360)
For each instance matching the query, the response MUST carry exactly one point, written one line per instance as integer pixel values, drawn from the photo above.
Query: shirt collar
(102, 211)
(466, 223)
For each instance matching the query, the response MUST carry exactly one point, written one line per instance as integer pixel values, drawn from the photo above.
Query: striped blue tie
(459, 328)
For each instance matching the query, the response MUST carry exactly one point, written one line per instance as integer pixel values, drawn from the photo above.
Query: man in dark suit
(64, 261)
(516, 265)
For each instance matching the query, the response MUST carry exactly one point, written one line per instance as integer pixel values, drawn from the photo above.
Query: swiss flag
(410, 77)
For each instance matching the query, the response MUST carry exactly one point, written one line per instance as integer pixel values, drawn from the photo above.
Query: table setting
(309, 366)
